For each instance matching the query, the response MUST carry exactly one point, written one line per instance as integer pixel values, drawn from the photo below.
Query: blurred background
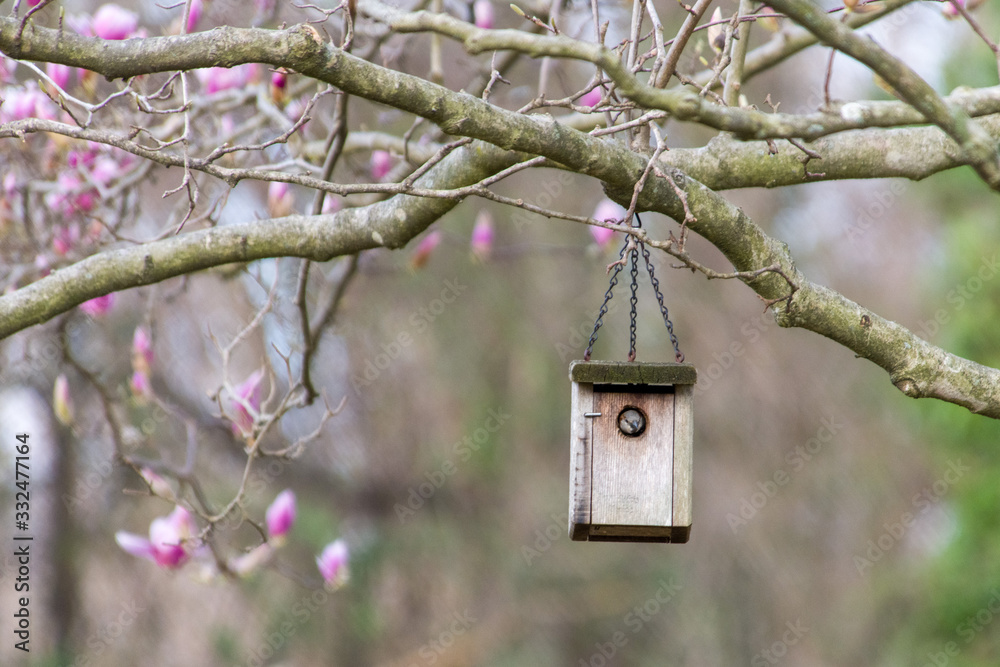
(879, 546)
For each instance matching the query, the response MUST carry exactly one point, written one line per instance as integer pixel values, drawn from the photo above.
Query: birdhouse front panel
(636, 481)
(630, 477)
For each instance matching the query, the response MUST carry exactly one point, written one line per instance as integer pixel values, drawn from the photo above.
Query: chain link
(678, 355)
(634, 257)
(633, 301)
(607, 298)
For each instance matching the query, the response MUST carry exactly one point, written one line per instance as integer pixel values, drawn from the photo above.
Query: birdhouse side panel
(581, 440)
(683, 460)
(632, 476)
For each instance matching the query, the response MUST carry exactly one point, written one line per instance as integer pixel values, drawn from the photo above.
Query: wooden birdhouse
(630, 451)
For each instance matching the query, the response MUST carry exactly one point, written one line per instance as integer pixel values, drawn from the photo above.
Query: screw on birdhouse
(631, 422)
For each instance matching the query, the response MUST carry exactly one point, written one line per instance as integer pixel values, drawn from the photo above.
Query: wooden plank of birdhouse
(632, 372)
(581, 441)
(683, 461)
(632, 481)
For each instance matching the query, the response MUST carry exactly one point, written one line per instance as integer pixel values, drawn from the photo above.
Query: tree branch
(916, 367)
(976, 145)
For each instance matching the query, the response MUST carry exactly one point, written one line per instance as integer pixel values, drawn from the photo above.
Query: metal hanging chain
(678, 355)
(663, 309)
(607, 298)
(633, 301)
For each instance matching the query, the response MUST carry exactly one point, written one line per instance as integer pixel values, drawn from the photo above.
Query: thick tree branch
(976, 145)
(390, 223)
(916, 367)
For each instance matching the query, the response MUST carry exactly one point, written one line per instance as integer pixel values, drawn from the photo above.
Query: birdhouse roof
(632, 372)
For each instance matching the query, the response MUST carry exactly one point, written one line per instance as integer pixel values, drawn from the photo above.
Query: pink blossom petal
(280, 200)
(140, 386)
(60, 74)
(62, 401)
(381, 164)
(168, 551)
(247, 394)
(142, 349)
(482, 12)
(195, 15)
(281, 515)
(112, 21)
(98, 306)
(159, 485)
(216, 79)
(137, 545)
(606, 211)
(482, 235)
(332, 564)
(591, 99)
(424, 249)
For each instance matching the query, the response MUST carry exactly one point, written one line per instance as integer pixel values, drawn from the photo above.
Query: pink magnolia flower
(140, 385)
(167, 544)
(279, 199)
(216, 79)
(159, 485)
(195, 15)
(60, 74)
(65, 238)
(606, 211)
(424, 249)
(381, 164)
(42, 265)
(7, 67)
(280, 516)
(332, 564)
(10, 184)
(279, 82)
(591, 99)
(295, 108)
(142, 350)
(98, 306)
(279, 78)
(27, 102)
(482, 236)
(105, 169)
(950, 11)
(482, 13)
(247, 396)
(112, 21)
(62, 401)
(71, 196)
